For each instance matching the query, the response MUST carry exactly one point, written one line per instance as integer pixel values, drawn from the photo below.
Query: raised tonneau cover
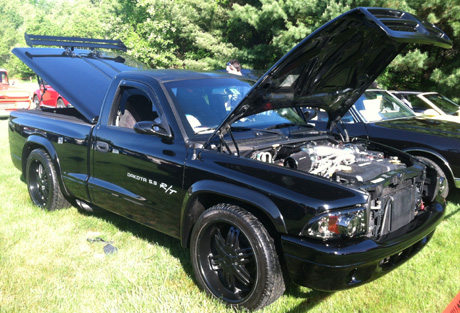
(80, 76)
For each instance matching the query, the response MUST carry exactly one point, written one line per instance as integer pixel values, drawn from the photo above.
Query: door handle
(102, 146)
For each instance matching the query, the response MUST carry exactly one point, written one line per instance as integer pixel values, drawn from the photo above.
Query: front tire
(60, 103)
(234, 258)
(42, 182)
(36, 102)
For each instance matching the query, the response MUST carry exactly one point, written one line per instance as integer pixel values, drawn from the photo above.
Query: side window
(321, 116)
(418, 104)
(133, 105)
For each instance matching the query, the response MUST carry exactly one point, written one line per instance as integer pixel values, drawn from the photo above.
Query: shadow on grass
(148, 234)
(448, 216)
(311, 298)
(453, 199)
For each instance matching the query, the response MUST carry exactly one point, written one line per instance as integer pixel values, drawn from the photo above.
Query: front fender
(228, 192)
(34, 142)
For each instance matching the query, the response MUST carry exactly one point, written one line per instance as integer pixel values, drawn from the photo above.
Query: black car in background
(380, 117)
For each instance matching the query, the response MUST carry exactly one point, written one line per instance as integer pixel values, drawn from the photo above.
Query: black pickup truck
(229, 166)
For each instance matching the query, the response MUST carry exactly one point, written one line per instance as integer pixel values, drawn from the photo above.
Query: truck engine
(345, 163)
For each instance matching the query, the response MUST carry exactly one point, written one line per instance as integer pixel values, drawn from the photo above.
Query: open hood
(333, 66)
(80, 76)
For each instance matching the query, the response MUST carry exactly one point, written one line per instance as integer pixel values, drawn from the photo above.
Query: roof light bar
(74, 42)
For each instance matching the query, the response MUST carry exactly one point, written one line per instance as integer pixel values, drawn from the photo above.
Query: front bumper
(343, 264)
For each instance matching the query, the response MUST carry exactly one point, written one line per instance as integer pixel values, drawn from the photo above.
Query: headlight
(337, 224)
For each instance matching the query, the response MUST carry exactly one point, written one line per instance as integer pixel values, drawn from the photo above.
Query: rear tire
(440, 172)
(234, 258)
(42, 182)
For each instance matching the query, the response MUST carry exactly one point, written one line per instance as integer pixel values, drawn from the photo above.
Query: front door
(138, 176)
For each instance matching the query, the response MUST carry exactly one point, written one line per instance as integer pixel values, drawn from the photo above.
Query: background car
(431, 103)
(380, 117)
(51, 98)
(11, 98)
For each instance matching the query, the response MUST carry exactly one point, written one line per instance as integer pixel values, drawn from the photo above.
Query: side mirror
(309, 114)
(151, 128)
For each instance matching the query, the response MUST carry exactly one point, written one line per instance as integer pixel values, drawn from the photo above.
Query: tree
(164, 33)
(442, 72)
(83, 18)
(12, 23)
(427, 68)
(204, 35)
(266, 30)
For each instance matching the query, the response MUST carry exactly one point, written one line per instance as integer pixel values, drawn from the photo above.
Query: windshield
(443, 103)
(375, 106)
(202, 104)
(270, 119)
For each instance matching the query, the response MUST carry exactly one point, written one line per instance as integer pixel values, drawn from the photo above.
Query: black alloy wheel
(42, 182)
(234, 258)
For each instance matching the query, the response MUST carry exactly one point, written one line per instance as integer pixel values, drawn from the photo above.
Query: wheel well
(204, 201)
(25, 154)
(31, 146)
(438, 161)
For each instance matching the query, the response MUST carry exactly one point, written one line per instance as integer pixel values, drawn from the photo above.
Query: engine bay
(347, 163)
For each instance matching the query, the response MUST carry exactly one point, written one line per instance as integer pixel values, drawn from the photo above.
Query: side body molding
(228, 192)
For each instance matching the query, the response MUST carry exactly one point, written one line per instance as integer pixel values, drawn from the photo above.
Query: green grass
(47, 265)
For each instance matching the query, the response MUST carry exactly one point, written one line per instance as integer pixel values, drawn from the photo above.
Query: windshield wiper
(240, 128)
(267, 130)
(283, 125)
(205, 130)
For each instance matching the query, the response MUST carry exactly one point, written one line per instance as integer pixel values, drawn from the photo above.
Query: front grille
(392, 210)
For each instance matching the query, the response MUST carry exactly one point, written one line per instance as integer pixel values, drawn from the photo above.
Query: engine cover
(361, 172)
